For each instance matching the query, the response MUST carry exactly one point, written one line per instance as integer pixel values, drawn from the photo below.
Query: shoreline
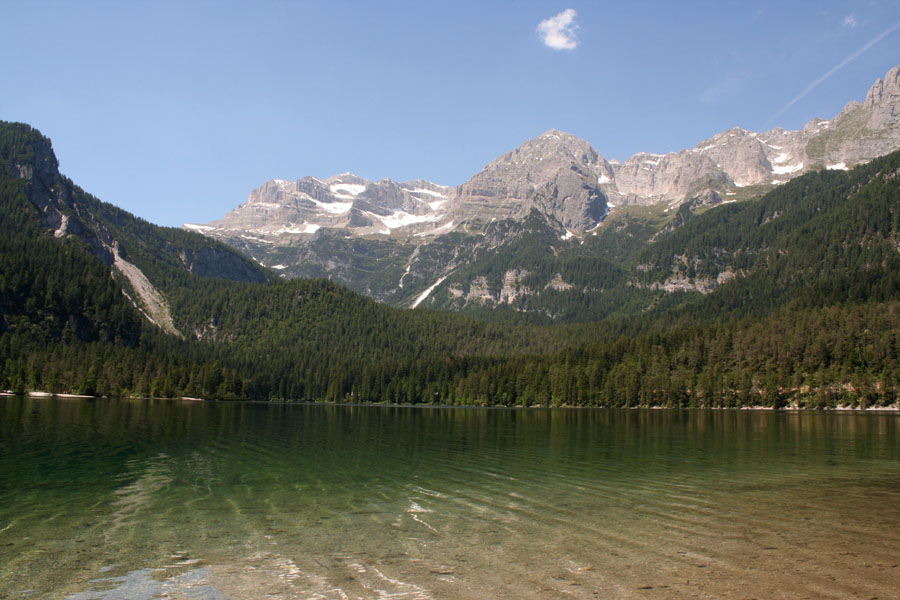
(895, 408)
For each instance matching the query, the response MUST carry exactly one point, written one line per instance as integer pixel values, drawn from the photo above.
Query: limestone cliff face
(557, 173)
(282, 208)
(738, 158)
(862, 131)
(651, 178)
(732, 159)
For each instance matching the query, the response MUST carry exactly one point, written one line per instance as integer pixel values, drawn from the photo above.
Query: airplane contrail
(834, 70)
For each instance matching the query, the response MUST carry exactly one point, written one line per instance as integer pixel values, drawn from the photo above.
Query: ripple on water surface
(147, 499)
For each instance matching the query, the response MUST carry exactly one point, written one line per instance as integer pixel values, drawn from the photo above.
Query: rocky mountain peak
(550, 151)
(42, 167)
(885, 90)
(862, 131)
(348, 178)
(738, 158)
(559, 141)
(556, 173)
(283, 210)
(816, 125)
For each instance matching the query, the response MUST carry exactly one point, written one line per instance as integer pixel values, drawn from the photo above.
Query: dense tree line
(838, 355)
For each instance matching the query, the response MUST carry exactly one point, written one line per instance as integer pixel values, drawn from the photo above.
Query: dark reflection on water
(109, 497)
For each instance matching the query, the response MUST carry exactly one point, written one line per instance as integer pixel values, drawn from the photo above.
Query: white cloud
(850, 21)
(559, 32)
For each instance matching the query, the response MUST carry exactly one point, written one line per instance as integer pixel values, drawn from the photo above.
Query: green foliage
(59, 293)
(826, 238)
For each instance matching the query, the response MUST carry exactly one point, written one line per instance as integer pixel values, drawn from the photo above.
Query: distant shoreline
(787, 409)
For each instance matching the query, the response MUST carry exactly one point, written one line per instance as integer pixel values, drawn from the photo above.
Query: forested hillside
(805, 308)
(829, 237)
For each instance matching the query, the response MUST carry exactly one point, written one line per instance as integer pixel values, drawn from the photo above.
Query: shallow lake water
(141, 499)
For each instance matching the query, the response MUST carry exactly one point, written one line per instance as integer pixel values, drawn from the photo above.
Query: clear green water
(139, 499)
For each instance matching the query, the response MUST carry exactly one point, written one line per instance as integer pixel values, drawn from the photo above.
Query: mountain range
(419, 243)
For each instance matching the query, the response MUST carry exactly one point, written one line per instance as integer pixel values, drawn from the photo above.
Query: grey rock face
(557, 173)
(738, 158)
(652, 178)
(282, 208)
(565, 178)
(863, 131)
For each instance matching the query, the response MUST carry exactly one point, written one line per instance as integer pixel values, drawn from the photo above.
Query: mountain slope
(825, 238)
(145, 259)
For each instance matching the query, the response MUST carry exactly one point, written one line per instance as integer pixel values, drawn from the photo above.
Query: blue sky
(176, 110)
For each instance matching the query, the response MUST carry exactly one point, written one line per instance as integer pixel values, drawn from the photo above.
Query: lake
(140, 499)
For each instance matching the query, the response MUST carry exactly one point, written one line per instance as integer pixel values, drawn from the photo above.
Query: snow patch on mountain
(302, 228)
(786, 169)
(337, 208)
(781, 158)
(403, 219)
(347, 191)
(428, 193)
(446, 228)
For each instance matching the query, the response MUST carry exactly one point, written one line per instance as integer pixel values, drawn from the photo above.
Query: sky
(175, 111)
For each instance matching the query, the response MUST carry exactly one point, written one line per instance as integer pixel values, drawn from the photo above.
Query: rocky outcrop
(557, 173)
(281, 209)
(479, 291)
(738, 158)
(862, 131)
(558, 284)
(512, 288)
